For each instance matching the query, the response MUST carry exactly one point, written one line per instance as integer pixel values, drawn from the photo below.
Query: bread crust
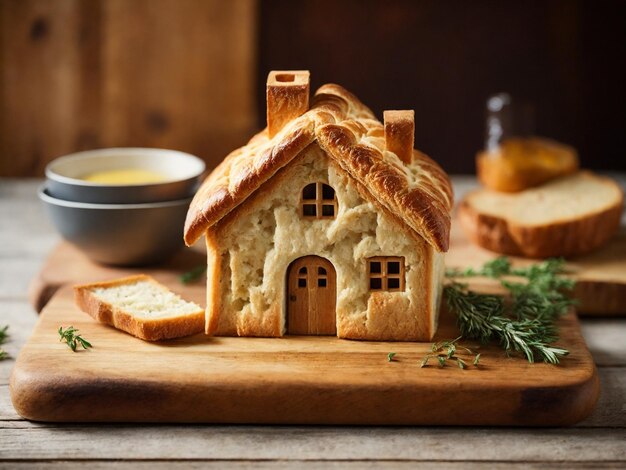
(286, 100)
(390, 316)
(512, 169)
(496, 178)
(147, 329)
(349, 133)
(400, 133)
(566, 238)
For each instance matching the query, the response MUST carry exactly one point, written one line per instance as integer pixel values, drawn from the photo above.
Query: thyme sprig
(449, 350)
(3, 337)
(526, 324)
(193, 275)
(73, 339)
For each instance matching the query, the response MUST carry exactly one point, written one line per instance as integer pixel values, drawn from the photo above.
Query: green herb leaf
(193, 275)
(3, 334)
(73, 339)
(476, 359)
(525, 325)
(390, 356)
(3, 337)
(448, 349)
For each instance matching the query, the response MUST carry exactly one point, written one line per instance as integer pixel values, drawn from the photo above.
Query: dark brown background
(190, 74)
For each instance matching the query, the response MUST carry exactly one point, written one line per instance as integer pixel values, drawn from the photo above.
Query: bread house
(326, 223)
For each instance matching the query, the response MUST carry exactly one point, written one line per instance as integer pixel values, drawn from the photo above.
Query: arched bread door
(311, 297)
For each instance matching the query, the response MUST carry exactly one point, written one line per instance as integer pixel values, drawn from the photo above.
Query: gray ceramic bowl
(182, 171)
(120, 234)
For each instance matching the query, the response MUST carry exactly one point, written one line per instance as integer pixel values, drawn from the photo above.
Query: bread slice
(568, 216)
(521, 163)
(140, 306)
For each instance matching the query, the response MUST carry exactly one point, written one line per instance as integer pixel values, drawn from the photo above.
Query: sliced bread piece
(140, 306)
(568, 216)
(521, 163)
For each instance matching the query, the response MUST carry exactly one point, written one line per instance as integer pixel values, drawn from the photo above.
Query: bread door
(311, 297)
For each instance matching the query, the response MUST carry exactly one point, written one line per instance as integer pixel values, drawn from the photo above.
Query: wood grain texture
(38, 39)
(318, 443)
(67, 265)
(312, 464)
(77, 75)
(609, 411)
(298, 379)
(600, 276)
(135, 446)
(311, 297)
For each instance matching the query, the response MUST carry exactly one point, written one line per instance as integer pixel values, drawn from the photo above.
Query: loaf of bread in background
(568, 216)
(141, 306)
(521, 163)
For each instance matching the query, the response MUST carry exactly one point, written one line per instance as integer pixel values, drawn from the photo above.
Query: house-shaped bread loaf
(326, 223)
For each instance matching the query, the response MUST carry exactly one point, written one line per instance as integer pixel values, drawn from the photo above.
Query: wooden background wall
(443, 58)
(81, 74)
(189, 74)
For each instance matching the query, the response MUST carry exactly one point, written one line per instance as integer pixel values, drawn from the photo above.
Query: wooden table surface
(25, 239)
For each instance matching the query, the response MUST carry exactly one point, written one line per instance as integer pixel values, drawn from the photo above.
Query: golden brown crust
(522, 163)
(562, 238)
(287, 94)
(400, 133)
(213, 284)
(147, 329)
(349, 133)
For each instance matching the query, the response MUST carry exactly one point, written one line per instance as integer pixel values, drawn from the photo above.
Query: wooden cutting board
(66, 265)
(291, 380)
(600, 276)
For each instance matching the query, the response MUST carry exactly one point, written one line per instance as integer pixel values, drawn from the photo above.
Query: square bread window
(386, 273)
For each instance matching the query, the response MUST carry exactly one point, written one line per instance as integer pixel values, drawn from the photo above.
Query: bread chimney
(400, 133)
(287, 97)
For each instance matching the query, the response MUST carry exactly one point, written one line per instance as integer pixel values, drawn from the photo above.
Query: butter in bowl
(124, 176)
(122, 206)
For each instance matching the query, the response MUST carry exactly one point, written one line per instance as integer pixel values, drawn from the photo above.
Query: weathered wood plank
(611, 407)
(25, 441)
(15, 276)
(21, 318)
(7, 412)
(606, 339)
(26, 231)
(309, 464)
(19, 189)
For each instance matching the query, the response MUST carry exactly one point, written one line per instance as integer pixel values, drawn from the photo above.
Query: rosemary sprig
(193, 275)
(3, 337)
(73, 339)
(526, 324)
(448, 350)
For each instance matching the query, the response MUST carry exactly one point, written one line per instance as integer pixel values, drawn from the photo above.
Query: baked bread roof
(419, 194)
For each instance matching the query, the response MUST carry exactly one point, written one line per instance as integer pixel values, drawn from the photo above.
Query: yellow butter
(125, 176)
